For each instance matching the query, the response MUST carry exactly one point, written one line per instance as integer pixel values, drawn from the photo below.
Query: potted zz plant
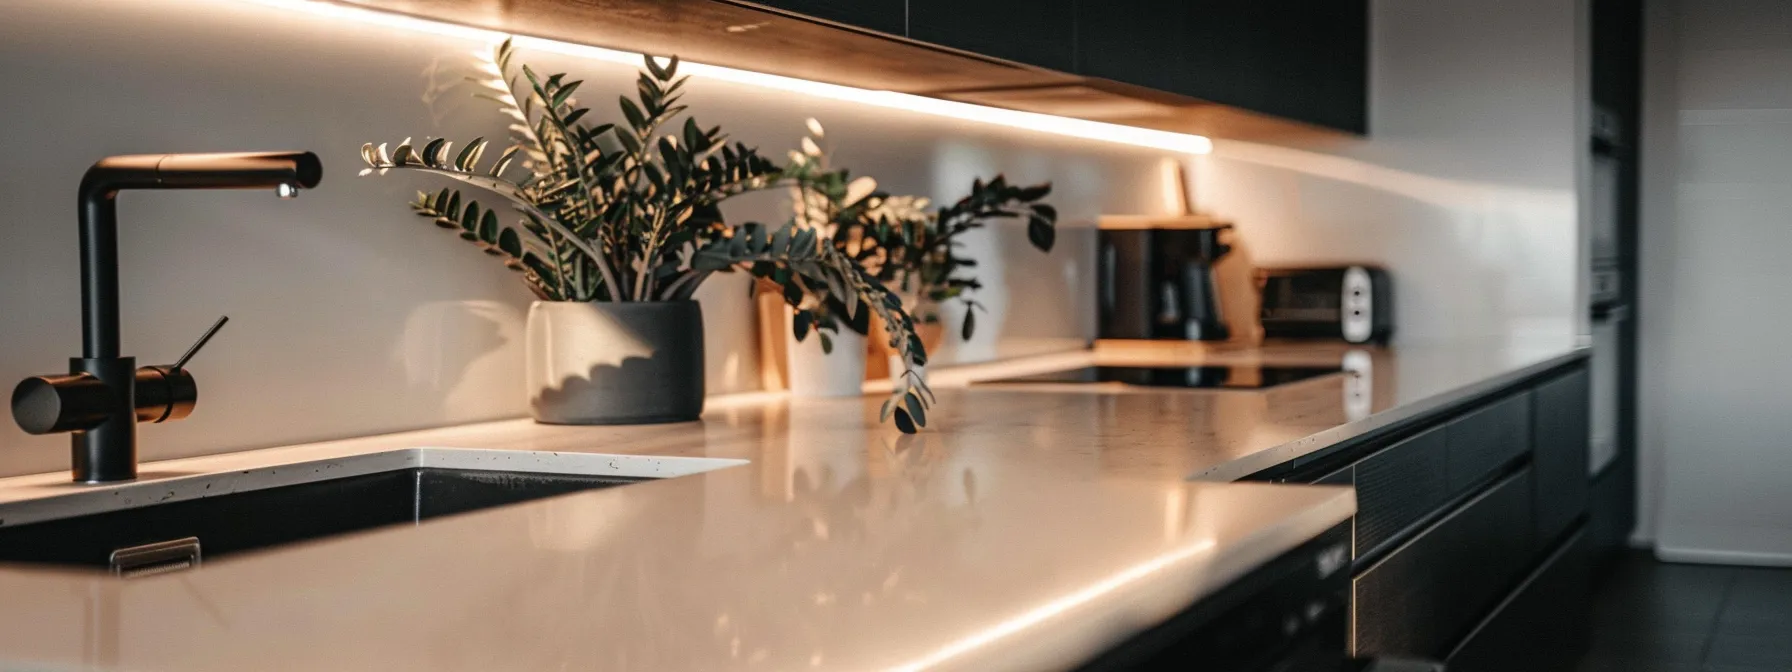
(616, 225)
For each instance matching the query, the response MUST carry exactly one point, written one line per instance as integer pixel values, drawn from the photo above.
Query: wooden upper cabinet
(1034, 32)
(884, 16)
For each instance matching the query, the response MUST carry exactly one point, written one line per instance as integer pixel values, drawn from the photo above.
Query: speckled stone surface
(1028, 528)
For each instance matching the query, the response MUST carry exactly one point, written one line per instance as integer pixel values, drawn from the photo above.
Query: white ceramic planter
(817, 374)
(614, 363)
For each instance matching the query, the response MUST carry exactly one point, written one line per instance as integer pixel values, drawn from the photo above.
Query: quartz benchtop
(1029, 527)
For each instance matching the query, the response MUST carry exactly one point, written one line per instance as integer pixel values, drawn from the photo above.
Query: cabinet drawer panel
(1482, 441)
(1427, 594)
(1559, 452)
(1397, 487)
(1544, 624)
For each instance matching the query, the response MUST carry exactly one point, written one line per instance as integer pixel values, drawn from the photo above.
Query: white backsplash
(350, 316)
(1465, 188)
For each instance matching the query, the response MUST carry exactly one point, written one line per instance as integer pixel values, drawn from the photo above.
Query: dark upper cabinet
(884, 16)
(1034, 32)
(1135, 41)
(1294, 59)
(1306, 61)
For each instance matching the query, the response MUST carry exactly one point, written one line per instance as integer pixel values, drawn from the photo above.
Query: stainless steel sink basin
(174, 523)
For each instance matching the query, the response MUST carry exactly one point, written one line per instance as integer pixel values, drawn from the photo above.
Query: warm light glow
(1043, 123)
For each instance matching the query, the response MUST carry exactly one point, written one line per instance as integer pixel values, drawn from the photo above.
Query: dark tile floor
(1656, 617)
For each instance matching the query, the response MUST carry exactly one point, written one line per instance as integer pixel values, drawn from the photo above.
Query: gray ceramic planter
(615, 363)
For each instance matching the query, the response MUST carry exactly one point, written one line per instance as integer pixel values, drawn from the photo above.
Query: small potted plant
(909, 249)
(616, 226)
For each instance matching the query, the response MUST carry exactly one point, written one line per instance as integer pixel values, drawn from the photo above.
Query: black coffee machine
(1159, 283)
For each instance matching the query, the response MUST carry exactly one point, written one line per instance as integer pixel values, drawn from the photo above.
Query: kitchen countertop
(1029, 527)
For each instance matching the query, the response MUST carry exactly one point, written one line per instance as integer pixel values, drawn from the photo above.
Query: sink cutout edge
(119, 496)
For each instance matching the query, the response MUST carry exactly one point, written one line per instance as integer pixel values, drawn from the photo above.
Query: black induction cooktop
(1212, 377)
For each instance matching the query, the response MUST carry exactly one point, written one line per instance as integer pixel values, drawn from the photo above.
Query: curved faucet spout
(285, 172)
(98, 401)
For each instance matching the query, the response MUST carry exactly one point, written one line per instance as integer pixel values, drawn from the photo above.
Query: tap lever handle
(203, 339)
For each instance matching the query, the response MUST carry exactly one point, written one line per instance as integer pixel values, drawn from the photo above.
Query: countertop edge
(1319, 443)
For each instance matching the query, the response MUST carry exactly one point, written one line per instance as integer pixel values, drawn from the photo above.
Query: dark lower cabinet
(1285, 616)
(1034, 32)
(1395, 488)
(1485, 440)
(884, 16)
(1560, 436)
(1543, 626)
(1454, 516)
(1421, 599)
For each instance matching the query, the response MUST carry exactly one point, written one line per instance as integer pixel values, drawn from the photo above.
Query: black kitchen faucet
(104, 395)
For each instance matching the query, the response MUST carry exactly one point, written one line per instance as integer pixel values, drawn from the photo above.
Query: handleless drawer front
(1428, 593)
(1397, 487)
(1561, 437)
(1482, 441)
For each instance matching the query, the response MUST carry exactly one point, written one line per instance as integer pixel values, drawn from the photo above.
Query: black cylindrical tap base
(108, 451)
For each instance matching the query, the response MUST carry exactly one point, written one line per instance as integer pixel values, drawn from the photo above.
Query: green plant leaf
(565, 92)
(800, 323)
(632, 112)
(903, 422)
(504, 159)
(469, 155)
(432, 151)
(915, 408)
(827, 344)
(970, 324)
(469, 219)
(510, 242)
(654, 67)
(1041, 234)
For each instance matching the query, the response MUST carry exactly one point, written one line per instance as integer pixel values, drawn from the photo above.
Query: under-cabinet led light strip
(1032, 121)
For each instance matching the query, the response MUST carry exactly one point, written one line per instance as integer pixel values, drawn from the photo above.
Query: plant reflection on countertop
(619, 226)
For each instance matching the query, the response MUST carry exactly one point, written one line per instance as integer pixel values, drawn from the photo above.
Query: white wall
(1465, 187)
(1715, 231)
(349, 315)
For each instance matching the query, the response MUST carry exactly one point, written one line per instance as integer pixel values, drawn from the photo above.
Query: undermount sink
(168, 524)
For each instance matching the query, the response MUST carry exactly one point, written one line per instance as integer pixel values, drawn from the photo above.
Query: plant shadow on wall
(620, 224)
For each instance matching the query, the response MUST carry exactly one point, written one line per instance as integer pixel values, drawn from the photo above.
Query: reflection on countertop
(1029, 528)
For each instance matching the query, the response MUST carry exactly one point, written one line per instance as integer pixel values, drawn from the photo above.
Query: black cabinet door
(1559, 438)
(1306, 61)
(884, 16)
(1485, 440)
(1543, 626)
(1425, 596)
(1035, 32)
(1135, 41)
